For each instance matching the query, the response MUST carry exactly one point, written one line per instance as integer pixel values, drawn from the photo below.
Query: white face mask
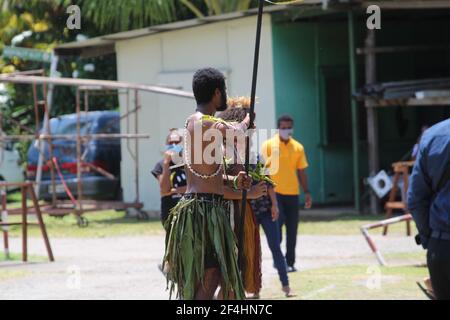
(285, 134)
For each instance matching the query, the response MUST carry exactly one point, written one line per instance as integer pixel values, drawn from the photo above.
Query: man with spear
(200, 246)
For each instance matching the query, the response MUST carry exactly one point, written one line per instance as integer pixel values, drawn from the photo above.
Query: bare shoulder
(192, 120)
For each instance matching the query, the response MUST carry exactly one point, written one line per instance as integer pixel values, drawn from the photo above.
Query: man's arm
(419, 197)
(256, 191)
(303, 179)
(164, 177)
(224, 127)
(273, 199)
(179, 190)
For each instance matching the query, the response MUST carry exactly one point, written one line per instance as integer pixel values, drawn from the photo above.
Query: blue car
(100, 158)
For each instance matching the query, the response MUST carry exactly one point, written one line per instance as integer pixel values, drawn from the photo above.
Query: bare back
(196, 184)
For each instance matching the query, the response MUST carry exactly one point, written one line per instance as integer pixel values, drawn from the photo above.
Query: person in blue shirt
(429, 203)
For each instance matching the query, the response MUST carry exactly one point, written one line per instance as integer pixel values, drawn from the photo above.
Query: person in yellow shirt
(286, 164)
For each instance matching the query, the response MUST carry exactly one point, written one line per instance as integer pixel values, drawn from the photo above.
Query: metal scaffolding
(85, 87)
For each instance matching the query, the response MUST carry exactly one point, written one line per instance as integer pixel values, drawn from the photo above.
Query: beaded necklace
(187, 156)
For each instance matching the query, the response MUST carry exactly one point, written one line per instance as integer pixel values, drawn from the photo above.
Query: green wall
(301, 52)
(307, 50)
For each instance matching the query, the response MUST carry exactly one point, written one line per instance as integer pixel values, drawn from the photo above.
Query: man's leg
(282, 217)
(211, 281)
(291, 211)
(272, 235)
(438, 260)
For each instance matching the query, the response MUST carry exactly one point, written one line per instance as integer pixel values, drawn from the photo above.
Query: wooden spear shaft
(247, 139)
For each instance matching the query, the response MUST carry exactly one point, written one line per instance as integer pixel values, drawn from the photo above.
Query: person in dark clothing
(170, 175)
(266, 211)
(429, 203)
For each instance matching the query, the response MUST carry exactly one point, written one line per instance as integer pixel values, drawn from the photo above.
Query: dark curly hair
(285, 118)
(234, 114)
(205, 82)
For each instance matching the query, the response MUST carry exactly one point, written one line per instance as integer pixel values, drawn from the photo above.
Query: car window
(66, 127)
(111, 125)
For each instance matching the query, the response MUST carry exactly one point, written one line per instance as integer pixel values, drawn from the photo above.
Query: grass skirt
(198, 231)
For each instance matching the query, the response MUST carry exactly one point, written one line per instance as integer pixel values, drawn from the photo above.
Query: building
(313, 56)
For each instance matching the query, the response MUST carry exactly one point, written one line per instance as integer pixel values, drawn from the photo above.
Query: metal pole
(41, 223)
(252, 118)
(86, 101)
(2, 151)
(354, 107)
(372, 118)
(24, 225)
(128, 124)
(36, 109)
(50, 147)
(53, 70)
(136, 148)
(79, 186)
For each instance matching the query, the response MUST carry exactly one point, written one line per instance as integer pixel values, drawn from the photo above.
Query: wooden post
(41, 222)
(400, 168)
(4, 219)
(24, 224)
(405, 195)
(372, 118)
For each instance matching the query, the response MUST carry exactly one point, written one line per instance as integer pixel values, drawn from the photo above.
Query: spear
(247, 139)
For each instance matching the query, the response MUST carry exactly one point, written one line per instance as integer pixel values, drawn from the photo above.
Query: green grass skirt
(197, 229)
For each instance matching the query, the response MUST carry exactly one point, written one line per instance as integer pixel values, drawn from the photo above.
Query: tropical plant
(216, 7)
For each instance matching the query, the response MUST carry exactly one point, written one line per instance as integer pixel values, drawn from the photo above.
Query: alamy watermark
(211, 146)
(73, 281)
(374, 20)
(74, 20)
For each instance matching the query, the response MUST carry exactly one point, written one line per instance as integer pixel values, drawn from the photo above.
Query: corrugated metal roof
(93, 42)
(107, 41)
(93, 83)
(105, 44)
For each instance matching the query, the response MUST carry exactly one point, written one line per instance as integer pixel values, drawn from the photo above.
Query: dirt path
(126, 267)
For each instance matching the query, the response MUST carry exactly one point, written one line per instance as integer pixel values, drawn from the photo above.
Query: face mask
(175, 148)
(285, 134)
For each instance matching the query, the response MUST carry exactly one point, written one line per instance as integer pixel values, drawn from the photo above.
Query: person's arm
(273, 199)
(243, 181)
(164, 177)
(179, 190)
(256, 191)
(419, 197)
(303, 179)
(225, 127)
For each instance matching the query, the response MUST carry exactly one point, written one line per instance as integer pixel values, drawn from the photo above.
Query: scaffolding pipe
(136, 130)
(79, 186)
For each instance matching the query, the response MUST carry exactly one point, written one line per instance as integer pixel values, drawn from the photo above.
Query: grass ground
(116, 223)
(11, 274)
(346, 224)
(113, 223)
(397, 281)
(101, 224)
(18, 257)
(356, 283)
